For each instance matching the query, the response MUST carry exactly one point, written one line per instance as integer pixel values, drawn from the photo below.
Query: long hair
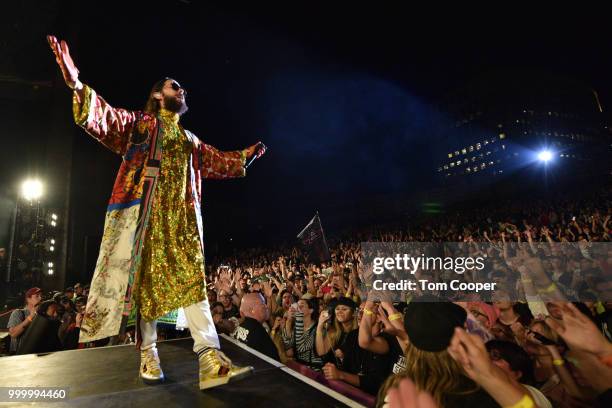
(334, 336)
(152, 105)
(437, 373)
(391, 381)
(314, 305)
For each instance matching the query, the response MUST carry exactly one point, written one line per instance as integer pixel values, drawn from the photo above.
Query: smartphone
(544, 340)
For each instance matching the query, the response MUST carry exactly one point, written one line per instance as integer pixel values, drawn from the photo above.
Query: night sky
(344, 98)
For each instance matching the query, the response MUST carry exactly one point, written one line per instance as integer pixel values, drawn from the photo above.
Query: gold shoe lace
(151, 361)
(214, 362)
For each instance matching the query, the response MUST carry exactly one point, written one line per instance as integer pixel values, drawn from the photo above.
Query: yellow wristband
(395, 316)
(525, 402)
(368, 312)
(347, 294)
(558, 361)
(549, 289)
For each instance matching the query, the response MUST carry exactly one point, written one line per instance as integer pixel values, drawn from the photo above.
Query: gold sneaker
(150, 369)
(216, 369)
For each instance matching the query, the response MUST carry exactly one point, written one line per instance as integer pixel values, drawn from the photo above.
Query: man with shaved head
(251, 331)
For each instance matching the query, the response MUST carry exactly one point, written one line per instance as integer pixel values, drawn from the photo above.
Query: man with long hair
(152, 252)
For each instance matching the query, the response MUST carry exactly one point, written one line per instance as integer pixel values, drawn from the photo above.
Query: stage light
(50, 271)
(51, 248)
(31, 189)
(545, 155)
(54, 217)
(50, 264)
(52, 241)
(53, 223)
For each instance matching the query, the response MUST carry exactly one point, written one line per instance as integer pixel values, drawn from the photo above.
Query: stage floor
(108, 377)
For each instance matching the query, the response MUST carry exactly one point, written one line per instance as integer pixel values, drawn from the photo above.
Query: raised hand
(470, 352)
(597, 374)
(64, 60)
(323, 317)
(267, 289)
(578, 331)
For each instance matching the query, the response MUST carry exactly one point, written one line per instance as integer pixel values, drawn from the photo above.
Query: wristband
(549, 289)
(525, 402)
(367, 312)
(558, 362)
(395, 316)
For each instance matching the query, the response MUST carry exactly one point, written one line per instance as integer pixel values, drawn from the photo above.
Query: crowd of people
(48, 322)
(537, 349)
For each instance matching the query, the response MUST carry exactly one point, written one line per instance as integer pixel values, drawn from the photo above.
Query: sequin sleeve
(110, 126)
(219, 165)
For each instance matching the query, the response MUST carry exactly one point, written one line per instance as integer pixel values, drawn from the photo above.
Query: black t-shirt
(371, 368)
(330, 356)
(397, 360)
(253, 334)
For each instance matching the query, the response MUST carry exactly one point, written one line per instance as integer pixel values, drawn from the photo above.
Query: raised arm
(110, 126)
(322, 340)
(470, 352)
(377, 344)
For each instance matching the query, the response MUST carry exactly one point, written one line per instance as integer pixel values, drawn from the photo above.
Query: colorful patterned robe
(137, 137)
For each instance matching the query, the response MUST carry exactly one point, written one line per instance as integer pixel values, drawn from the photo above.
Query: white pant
(201, 326)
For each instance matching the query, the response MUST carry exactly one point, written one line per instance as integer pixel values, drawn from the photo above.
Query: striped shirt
(303, 343)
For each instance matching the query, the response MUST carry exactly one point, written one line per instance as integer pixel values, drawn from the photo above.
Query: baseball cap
(32, 291)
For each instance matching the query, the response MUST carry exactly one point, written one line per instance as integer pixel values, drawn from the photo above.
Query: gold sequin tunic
(171, 273)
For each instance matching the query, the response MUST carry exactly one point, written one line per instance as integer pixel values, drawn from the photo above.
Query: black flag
(313, 239)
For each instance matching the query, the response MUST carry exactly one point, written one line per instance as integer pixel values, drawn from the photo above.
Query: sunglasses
(176, 87)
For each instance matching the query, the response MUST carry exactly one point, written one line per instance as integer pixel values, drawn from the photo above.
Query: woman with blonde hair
(328, 341)
(449, 365)
(430, 325)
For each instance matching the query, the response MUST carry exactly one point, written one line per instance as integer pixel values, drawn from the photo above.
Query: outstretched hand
(470, 352)
(578, 331)
(64, 60)
(256, 150)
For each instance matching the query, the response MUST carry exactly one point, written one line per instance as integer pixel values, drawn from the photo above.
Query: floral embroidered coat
(136, 136)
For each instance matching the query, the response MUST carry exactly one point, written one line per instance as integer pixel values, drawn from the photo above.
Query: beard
(175, 105)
